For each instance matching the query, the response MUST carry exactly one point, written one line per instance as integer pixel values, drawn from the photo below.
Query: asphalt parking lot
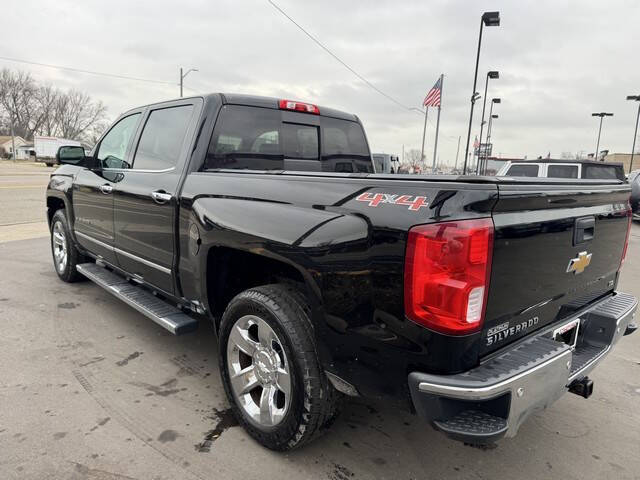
(90, 389)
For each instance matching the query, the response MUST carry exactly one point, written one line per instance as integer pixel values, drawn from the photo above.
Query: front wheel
(65, 254)
(270, 368)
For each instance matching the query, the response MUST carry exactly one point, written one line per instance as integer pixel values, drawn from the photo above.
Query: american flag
(433, 97)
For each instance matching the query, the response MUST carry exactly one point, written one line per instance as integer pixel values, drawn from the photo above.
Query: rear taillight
(626, 240)
(446, 277)
(299, 106)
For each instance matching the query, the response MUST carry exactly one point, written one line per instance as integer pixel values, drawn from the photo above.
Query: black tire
(69, 273)
(314, 401)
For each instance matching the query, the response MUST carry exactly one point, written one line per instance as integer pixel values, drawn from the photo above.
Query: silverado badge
(578, 264)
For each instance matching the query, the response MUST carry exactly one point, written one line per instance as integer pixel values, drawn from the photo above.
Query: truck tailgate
(557, 248)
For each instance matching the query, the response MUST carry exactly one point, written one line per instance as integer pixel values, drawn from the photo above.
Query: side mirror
(70, 155)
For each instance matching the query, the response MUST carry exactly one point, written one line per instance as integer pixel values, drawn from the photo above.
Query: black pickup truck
(473, 301)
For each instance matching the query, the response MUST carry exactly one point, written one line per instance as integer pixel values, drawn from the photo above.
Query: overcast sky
(558, 61)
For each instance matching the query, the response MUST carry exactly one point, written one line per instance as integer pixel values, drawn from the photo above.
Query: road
(22, 198)
(90, 389)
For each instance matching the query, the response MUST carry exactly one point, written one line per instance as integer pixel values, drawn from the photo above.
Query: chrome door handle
(106, 189)
(161, 197)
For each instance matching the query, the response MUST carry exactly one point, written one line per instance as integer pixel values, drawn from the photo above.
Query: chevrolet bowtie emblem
(578, 264)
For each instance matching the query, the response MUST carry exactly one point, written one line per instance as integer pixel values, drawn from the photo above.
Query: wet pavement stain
(340, 472)
(168, 436)
(68, 305)
(125, 361)
(101, 423)
(164, 390)
(93, 360)
(226, 419)
(59, 435)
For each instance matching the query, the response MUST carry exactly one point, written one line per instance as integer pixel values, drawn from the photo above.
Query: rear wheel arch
(230, 271)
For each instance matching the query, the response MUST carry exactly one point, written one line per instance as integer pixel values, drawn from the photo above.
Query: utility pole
(457, 152)
(182, 77)
(435, 147)
(13, 139)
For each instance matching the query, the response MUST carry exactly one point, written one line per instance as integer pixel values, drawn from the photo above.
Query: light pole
(490, 19)
(601, 115)
(493, 75)
(182, 77)
(493, 101)
(491, 118)
(635, 132)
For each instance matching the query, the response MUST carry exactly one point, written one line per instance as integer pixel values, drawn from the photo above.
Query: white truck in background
(45, 148)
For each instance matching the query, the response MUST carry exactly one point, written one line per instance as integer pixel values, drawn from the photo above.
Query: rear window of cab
(258, 138)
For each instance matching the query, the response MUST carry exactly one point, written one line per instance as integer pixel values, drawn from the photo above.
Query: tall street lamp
(493, 75)
(635, 133)
(493, 102)
(491, 118)
(490, 19)
(601, 115)
(182, 77)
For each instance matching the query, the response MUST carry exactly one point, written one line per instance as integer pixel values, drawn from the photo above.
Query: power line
(90, 72)
(345, 65)
(338, 59)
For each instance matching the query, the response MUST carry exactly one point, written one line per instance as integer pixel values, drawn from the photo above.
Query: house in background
(25, 152)
(6, 145)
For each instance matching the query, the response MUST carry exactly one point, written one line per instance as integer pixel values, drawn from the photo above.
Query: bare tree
(413, 159)
(77, 114)
(48, 98)
(46, 110)
(18, 99)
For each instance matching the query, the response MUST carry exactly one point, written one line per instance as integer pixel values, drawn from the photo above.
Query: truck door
(92, 189)
(145, 199)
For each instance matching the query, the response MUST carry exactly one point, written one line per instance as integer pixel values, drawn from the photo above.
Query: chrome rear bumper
(523, 380)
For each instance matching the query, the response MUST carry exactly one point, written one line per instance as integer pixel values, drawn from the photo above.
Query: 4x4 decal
(374, 199)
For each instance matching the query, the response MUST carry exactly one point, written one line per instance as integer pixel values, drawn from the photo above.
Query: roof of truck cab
(272, 102)
(252, 101)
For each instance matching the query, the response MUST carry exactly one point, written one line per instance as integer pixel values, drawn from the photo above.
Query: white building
(6, 145)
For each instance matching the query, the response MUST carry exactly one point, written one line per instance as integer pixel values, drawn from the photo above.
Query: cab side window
(113, 148)
(162, 138)
(521, 170)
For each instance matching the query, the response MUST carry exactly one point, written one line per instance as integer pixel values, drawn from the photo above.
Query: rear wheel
(65, 254)
(270, 368)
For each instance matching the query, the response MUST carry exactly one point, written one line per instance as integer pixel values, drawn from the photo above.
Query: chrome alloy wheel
(259, 371)
(59, 244)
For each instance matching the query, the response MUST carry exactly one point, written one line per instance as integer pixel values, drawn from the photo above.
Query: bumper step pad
(473, 426)
(161, 312)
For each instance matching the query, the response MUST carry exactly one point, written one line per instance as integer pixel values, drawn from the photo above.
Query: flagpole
(435, 147)
(424, 132)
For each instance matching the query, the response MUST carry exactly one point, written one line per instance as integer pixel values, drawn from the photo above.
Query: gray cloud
(559, 61)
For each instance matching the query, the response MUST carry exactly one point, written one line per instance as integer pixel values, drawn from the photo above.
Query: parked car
(472, 301)
(588, 169)
(634, 181)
